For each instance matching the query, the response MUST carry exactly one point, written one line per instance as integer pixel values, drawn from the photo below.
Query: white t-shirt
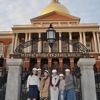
(32, 80)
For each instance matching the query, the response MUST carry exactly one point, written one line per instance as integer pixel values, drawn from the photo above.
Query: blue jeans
(70, 94)
(59, 96)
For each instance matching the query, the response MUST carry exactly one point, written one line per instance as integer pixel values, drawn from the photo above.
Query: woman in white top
(32, 85)
(54, 84)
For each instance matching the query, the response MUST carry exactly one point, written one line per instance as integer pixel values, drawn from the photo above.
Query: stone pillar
(87, 78)
(29, 39)
(49, 62)
(80, 36)
(26, 38)
(92, 44)
(84, 39)
(14, 79)
(97, 34)
(72, 64)
(70, 38)
(61, 63)
(95, 44)
(12, 46)
(5, 51)
(60, 46)
(27, 64)
(39, 43)
(38, 62)
(49, 49)
(16, 40)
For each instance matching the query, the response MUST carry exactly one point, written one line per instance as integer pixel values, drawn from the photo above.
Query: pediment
(55, 15)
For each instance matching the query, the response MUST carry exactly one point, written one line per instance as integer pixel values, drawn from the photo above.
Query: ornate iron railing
(76, 76)
(3, 81)
(77, 82)
(25, 74)
(97, 82)
(81, 48)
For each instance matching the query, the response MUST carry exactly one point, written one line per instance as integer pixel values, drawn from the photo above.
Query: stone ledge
(15, 62)
(86, 62)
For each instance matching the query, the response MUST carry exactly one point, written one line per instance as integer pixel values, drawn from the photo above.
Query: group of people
(57, 87)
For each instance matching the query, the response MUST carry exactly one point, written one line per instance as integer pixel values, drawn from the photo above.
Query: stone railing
(87, 24)
(57, 25)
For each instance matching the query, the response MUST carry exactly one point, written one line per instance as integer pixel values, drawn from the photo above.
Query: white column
(26, 41)
(87, 78)
(60, 46)
(12, 46)
(95, 44)
(14, 79)
(98, 41)
(80, 37)
(84, 39)
(16, 40)
(29, 39)
(92, 43)
(26, 37)
(70, 38)
(39, 44)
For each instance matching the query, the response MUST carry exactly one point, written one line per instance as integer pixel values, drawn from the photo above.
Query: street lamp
(51, 33)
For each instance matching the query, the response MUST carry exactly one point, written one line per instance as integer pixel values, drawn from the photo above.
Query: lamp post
(51, 36)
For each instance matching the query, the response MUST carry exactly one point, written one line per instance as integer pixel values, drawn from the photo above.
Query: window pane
(75, 47)
(45, 47)
(35, 47)
(65, 47)
(55, 47)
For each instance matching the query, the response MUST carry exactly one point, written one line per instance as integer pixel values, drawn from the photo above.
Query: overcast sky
(14, 12)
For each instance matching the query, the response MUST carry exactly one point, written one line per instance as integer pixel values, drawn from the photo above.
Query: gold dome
(55, 6)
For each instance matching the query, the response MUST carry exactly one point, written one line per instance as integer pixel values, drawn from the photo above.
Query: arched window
(9, 49)
(1, 49)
